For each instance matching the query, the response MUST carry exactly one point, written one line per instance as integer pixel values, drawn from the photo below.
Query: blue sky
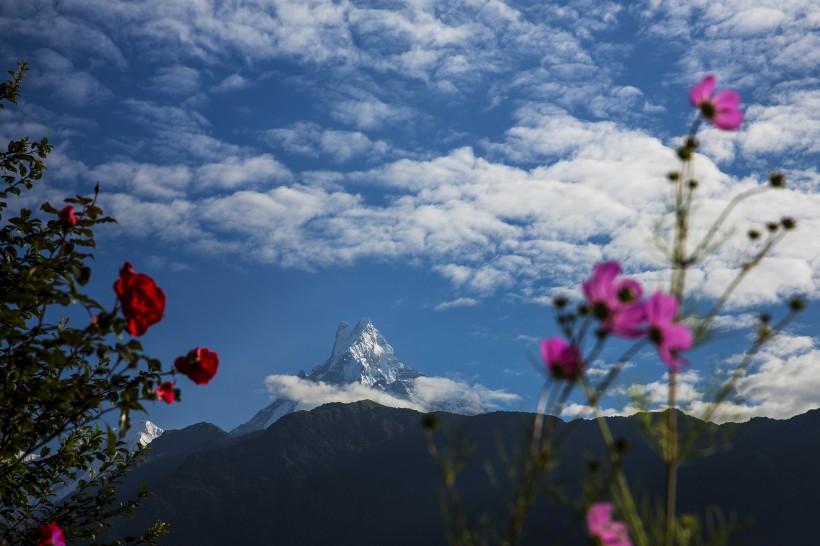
(443, 168)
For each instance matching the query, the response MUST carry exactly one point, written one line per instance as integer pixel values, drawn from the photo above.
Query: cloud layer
(429, 394)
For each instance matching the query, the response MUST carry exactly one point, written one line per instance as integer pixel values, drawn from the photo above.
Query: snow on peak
(361, 354)
(142, 435)
(150, 433)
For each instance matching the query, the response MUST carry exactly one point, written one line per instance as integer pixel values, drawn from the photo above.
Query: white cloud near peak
(429, 394)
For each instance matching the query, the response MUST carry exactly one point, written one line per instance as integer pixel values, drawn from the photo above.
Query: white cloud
(234, 82)
(488, 226)
(363, 110)
(176, 80)
(782, 382)
(56, 72)
(790, 125)
(429, 394)
(310, 394)
(234, 172)
(440, 392)
(458, 302)
(312, 140)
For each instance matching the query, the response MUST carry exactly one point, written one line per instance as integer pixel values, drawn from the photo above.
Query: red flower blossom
(51, 535)
(722, 110)
(143, 302)
(562, 360)
(199, 365)
(165, 392)
(67, 218)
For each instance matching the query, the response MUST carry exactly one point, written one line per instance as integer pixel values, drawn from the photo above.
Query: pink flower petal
(552, 349)
(629, 321)
(600, 286)
(729, 121)
(661, 308)
(726, 99)
(702, 91)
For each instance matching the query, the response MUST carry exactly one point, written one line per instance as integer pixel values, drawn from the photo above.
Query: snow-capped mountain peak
(361, 355)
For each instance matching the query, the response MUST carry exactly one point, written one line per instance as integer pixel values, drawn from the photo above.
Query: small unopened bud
(777, 180)
(673, 176)
(593, 464)
(429, 421)
(753, 234)
(560, 302)
(583, 310)
(772, 226)
(788, 222)
(765, 318)
(684, 153)
(622, 445)
(693, 184)
(797, 304)
(67, 218)
(692, 143)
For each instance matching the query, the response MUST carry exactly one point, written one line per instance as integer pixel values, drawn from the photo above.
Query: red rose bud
(143, 302)
(67, 218)
(165, 392)
(199, 365)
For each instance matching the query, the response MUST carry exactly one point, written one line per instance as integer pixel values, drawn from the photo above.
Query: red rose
(199, 365)
(67, 218)
(165, 392)
(143, 302)
(51, 535)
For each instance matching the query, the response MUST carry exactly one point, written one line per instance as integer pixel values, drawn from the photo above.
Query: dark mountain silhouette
(360, 474)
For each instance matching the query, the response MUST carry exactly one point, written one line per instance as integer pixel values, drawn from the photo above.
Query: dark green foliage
(58, 379)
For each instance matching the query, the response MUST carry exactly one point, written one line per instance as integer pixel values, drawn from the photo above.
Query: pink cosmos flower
(562, 359)
(615, 302)
(51, 535)
(722, 110)
(165, 392)
(601, 526)
(670, 337)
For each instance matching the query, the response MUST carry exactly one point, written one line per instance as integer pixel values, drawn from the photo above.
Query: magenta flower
(722, 110)
(616, 303)
(51, 535)
(562, 359)
(670, 337)
(601, 526)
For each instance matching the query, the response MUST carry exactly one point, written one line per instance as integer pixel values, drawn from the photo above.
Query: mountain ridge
(360, 473)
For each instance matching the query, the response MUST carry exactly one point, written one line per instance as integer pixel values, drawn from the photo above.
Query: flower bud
(693, 184)
(753, 234)
(684, 153)
(560, 302)
(429, 421)
(797, 304)
(788, 223)
(673, 176)
(777, 180)
(772, 226)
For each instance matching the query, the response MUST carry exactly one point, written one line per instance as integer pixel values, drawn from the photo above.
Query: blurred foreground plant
(614, 306)
(58, 380)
